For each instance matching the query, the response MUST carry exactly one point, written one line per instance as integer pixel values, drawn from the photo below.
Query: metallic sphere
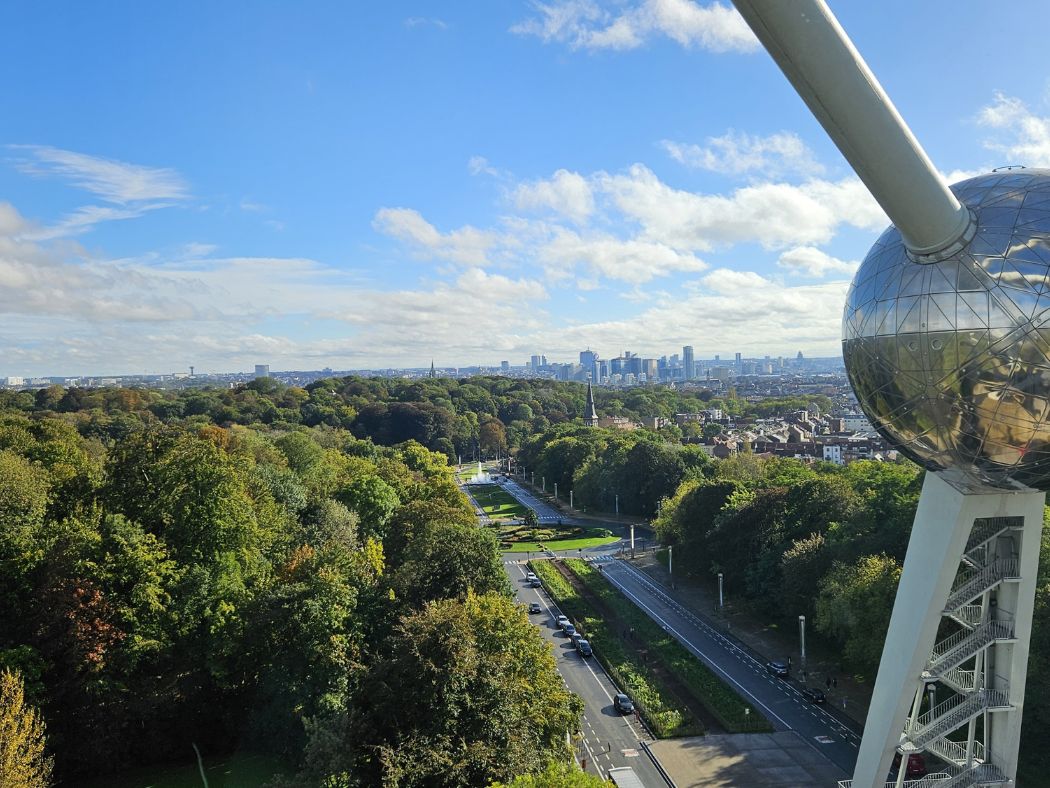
(951, 360)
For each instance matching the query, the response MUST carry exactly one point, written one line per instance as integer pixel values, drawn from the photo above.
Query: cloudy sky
(358, 185)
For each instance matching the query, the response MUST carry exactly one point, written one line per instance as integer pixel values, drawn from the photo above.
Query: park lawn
(496, 502)
(518, 537)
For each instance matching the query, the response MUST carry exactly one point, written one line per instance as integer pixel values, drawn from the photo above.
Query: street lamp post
(534, 478)
(570, 498)
(543, 480)
(632, 540)
(670, 567)
(617, 504)
(802, 640)
(721, 599)
(555, 491)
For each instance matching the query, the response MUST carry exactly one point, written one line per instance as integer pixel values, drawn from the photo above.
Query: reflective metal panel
(951, 360)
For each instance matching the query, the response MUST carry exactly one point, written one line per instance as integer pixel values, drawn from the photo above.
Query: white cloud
(583, 24)
(737, 153)
(810, 261)
(631, 261)
(1026, 138)
(421, 21)
(479, 165)
(114, 181)
(772, 214)
(727, 311)
(565, 193)
(467, 245)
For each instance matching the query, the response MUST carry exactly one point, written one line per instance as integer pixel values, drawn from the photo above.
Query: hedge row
(665, 715)
(718, 698)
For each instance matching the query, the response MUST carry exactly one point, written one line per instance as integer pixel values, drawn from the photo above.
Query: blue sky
(355, 185)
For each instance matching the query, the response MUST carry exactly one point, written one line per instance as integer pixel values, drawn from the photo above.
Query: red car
(916, 766)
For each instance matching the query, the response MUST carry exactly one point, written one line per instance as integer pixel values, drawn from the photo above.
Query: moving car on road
(623, 704)
(534, 607)
(778, 668)
(813, 695)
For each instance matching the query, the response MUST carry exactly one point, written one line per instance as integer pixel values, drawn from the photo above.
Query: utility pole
(802, 640)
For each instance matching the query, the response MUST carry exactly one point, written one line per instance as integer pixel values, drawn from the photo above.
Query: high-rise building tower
(590, 415)
(589, 362)
(688, 362)
(738, 361)
(262, 370)
(536, 363)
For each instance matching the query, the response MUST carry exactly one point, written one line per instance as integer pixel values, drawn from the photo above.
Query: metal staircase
(951, 715)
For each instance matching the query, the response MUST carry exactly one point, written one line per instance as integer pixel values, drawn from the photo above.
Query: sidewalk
(769, 641)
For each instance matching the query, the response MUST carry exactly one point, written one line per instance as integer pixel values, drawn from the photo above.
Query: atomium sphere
(951, 360)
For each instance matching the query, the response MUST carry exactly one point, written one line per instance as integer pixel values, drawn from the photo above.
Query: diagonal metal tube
(813, 51)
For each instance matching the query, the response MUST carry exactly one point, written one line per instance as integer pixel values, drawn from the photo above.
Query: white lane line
(685, 640)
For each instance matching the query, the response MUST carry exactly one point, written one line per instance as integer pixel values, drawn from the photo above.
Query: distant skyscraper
(536, 362)
(688, 362)
(262, 370)
(504, 365)
(738, 360)
(589, 362)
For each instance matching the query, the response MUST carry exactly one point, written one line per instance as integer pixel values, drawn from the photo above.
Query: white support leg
(942, 526)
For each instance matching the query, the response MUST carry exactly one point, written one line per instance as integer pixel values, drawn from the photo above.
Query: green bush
(718, 698)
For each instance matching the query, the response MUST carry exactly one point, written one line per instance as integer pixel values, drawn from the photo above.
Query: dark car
(778, 668)
(534, 607)
(814, 695)
(584, 648)
(916, 766)
(569, 630)
(623, 704)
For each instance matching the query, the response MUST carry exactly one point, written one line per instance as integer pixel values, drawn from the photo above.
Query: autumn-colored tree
(23, 762)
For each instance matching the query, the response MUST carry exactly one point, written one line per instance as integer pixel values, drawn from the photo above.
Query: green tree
(854, 608)
(467, 695)
(23, 762)
(558, 774)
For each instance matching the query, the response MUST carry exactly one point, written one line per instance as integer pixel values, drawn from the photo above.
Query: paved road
(546, 513)
(779, 700)
(609, 738)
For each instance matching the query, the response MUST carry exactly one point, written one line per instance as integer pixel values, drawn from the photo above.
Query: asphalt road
(609, 738)
(780, 701)
(545, 512)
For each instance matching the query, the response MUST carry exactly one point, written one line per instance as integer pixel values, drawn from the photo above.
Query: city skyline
(363, 188)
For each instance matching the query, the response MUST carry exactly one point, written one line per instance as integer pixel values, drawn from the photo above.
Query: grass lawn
(521, 538)
(496, 502)
(241, 770)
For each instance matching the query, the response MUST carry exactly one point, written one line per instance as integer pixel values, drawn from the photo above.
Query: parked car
(576, 637)
(534, 607)
(623, 704)
(916, 766)
(813, 695)
(583, 647)
(778, 668)
(569, 630)
(562, 621)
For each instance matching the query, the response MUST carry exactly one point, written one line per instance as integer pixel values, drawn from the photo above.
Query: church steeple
(433, 374)
(590, 415)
